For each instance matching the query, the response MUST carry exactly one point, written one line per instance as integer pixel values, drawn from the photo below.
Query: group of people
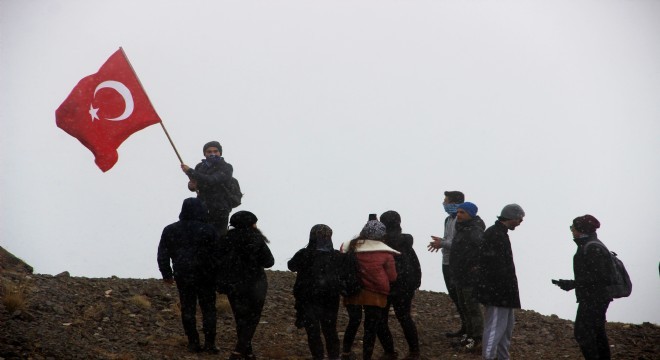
(477, 266)
(389, 273)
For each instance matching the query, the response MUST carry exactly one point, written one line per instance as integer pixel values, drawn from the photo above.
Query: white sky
(330, 111)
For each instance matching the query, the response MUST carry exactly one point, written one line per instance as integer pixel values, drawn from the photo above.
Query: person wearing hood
(209, 179)
(592, 268)
(498, 285)
(450, 204)
(377, 270)
(192, 246)
(316, 291)
(464, 266)
(241, 276)
(402, 291)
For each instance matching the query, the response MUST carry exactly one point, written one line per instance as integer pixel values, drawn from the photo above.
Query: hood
(193, 210)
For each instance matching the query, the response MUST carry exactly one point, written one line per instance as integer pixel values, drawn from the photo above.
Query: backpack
(349, 275)
(620, 284)
(233, 191)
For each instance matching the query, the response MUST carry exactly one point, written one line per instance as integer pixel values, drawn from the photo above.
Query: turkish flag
(105, 108)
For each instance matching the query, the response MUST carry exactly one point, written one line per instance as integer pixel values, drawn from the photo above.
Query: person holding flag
(209, 179)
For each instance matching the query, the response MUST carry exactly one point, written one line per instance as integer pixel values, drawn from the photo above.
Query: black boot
(193, 344)
(209, 344)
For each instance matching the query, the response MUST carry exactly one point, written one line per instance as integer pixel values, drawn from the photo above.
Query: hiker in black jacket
(464, 265)
(592, 268)
(402, 291)
(192, 246)
(316, 291)
(244, 255)
(498, 285)
(209, 179)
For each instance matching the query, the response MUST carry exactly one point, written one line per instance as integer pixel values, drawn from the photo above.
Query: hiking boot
(348, 356)
(211, 349)
(460, 342)
(458, 333)
(389, 356)
(235, 356)
(471, 344)
(194, 347)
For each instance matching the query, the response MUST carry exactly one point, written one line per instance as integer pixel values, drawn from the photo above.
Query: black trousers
(372, 315)
(590, 330)
(220, 220)
(247, 302)
(402, 304)
(321, 316)
(190, 292)
(453, 294)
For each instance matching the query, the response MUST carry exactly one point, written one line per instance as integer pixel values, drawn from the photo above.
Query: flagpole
(147, 95)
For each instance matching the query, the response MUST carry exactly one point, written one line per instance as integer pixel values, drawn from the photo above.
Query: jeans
(590, 330)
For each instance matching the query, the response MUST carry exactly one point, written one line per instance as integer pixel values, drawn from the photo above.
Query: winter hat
(243, 219)
(512, 211)
(391, 219)
(586, 224)
(373, 230)
(455, 197)
(214, 144)
(469, 208)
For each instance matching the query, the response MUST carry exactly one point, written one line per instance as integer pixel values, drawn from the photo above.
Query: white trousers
(498, 328)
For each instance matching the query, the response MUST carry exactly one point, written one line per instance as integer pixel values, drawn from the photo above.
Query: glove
(566, 285)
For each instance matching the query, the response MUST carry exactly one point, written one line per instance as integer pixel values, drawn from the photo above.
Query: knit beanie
(214, 144)
(373, 230)
(243, 219)
(512, 211)
(586, 224)
(469, 208)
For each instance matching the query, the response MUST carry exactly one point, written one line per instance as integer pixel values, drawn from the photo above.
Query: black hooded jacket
(245, 254)
(191, 244)
(498, 284)
(211, 177)
(592, 267)
(464, 260)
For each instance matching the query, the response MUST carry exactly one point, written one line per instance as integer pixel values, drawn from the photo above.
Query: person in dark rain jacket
(244, 255)
(464, 265)
(592, 269)
(208, 180)
(498, 285)
(316, 291)
(192, 246)
(402, 291)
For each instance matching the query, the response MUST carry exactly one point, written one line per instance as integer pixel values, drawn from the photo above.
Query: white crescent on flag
(123, 91)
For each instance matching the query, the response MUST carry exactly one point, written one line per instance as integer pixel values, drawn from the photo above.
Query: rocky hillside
(63, 317)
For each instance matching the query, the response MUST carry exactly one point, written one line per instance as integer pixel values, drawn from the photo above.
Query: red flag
(105, 108)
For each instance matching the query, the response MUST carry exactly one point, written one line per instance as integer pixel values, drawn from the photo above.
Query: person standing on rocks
(402, 291)
(498, 285)
(592, 268)
(377, 271)
(451, 202)
(209, 179)
(245, 254)
(464, 269)
(192, 246)
(316, 291)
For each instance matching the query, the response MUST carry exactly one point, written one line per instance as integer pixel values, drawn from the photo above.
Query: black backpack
(233, 192)
(349, 275)
(620, 284)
